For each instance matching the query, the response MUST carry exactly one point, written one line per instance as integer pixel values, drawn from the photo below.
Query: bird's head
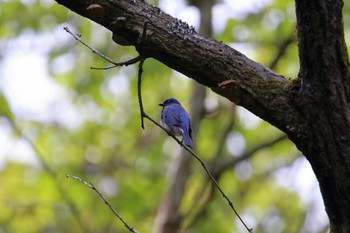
(169, 101)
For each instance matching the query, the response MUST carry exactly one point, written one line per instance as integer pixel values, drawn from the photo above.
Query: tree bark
(313, 110)
(322, 97)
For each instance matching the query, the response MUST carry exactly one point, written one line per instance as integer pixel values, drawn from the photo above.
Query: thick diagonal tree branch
(209, 62)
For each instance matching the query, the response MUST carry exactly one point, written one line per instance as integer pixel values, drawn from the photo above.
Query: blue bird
(175, 119)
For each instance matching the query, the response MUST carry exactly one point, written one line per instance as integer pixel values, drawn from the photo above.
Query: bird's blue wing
(186, 128)
(172, 118)
(178, 122)
(174, 115)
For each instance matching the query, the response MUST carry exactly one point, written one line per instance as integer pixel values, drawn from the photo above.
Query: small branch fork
(143, 115)
(115, 64)
(90, 185)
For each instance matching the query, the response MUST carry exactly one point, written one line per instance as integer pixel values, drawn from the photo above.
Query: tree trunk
(322, 97)
(313, 110)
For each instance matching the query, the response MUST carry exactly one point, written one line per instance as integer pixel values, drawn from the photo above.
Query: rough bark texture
(313, 110)
(322, 97)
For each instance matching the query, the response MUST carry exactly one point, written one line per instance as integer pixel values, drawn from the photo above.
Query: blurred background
(58, 117)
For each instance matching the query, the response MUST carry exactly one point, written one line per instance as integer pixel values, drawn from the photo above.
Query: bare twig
(116, 64)
(139, 76)
(90, 185)
(142, 113)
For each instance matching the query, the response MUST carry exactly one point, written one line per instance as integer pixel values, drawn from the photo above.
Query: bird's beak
(161, 104)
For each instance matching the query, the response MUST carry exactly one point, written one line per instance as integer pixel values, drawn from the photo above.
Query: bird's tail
(187, 139)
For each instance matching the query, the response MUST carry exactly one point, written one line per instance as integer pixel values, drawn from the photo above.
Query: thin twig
(116, 64)
(90, 185)
(142, 113)
(125, 63)
(139, 76)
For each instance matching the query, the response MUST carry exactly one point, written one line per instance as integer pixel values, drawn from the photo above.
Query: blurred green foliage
(107, 146)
